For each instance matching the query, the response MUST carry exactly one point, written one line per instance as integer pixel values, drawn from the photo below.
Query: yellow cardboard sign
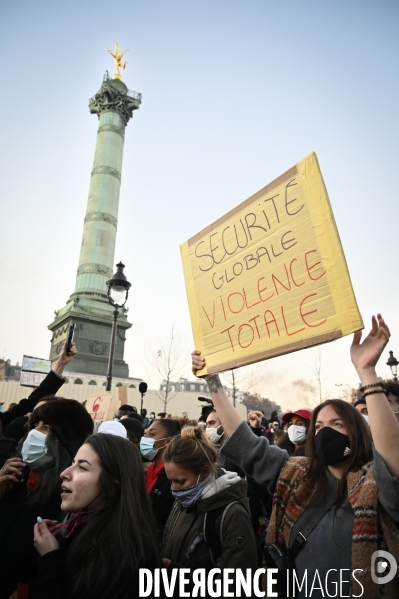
(270, 276)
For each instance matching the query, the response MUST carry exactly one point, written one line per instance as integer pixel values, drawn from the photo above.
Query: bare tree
(169, 360)
(254, 401)
(351, 394)
(241, 381)
(320, 379)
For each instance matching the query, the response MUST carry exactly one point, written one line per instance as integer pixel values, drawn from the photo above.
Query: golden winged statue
(117, 56)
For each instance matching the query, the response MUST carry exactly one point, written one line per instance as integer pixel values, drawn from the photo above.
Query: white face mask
(297, 434)
(34, 452)
(213, 434)
(367, 419)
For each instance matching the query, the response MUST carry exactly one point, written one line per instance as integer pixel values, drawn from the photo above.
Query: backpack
(213, 531)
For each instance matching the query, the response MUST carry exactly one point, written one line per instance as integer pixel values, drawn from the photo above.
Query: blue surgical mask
(189, 495)
(34, 452)
(147, 447)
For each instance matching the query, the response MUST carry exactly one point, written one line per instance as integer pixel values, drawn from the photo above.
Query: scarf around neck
(373, 528)
(72, 521)
(152, 475)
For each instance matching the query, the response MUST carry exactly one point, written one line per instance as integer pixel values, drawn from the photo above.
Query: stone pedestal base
(92, 337)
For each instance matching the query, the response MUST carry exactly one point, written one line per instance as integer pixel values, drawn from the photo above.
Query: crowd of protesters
(82, 513)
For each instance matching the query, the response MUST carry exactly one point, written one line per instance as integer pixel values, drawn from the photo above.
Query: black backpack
(213, 531)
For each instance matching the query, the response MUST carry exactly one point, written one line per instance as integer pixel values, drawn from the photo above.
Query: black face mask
(332, 447)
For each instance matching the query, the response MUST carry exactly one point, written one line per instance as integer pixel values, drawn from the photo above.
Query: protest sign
(122, 394)
(270, 277)
(102, 407)
(33, 371)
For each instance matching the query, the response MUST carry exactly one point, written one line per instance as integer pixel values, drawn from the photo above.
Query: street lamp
(118, 290)
(393, 365)
(339, 385)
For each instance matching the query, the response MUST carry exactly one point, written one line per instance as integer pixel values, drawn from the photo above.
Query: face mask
(332, 447)
(189, 495)
(297, 434)
(213, 434)
(147, 447)
(367, 419)
(116, 419)
(34, 452)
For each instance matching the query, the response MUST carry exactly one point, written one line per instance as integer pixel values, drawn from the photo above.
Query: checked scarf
(373, 528)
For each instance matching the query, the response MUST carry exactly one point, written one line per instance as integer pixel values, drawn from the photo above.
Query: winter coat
(182, 541)
(18, 557)
(51, 582)
(49, 386)
(162, 501)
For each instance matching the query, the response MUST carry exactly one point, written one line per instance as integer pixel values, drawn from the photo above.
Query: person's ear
(205, 471)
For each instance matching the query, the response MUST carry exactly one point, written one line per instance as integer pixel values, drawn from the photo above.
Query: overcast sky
(234, 93)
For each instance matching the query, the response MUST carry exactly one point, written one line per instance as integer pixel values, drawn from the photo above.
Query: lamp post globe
(393, 365)
(118, 287)
(118, 291)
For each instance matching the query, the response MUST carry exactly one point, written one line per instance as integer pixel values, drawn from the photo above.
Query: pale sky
(234, 94)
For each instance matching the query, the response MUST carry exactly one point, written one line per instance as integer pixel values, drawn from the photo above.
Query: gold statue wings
(117, 56)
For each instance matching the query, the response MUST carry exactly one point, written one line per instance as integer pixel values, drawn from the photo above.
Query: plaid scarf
(72, 521)
(373, 528)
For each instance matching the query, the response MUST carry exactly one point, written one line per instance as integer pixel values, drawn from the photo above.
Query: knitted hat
(134, 426)
(303, 413)
(358, 401)
(68, 420)
(113, 428)
(135, 416)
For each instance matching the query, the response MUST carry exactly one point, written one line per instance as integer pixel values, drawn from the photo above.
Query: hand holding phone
(70, 337)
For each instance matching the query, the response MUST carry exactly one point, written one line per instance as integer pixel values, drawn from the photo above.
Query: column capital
(114, 96)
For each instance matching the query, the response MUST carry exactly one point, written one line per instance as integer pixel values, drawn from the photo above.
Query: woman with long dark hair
(109, 532)
(348, 500)
(57, 429)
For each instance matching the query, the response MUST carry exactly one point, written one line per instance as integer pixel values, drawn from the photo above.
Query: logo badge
(385, 559)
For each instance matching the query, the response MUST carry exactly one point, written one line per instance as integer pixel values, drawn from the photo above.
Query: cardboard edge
(273, 353)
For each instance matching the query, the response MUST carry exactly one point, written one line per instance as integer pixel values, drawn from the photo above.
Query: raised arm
(54, 380)
(260, 460)
(383, 424)
(49, 386)
(225, 409)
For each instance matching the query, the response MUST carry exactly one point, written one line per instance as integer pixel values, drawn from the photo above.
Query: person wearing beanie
(134, 416)
(134, 430)
(32, 487)
(112, 428)
(360, 405)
